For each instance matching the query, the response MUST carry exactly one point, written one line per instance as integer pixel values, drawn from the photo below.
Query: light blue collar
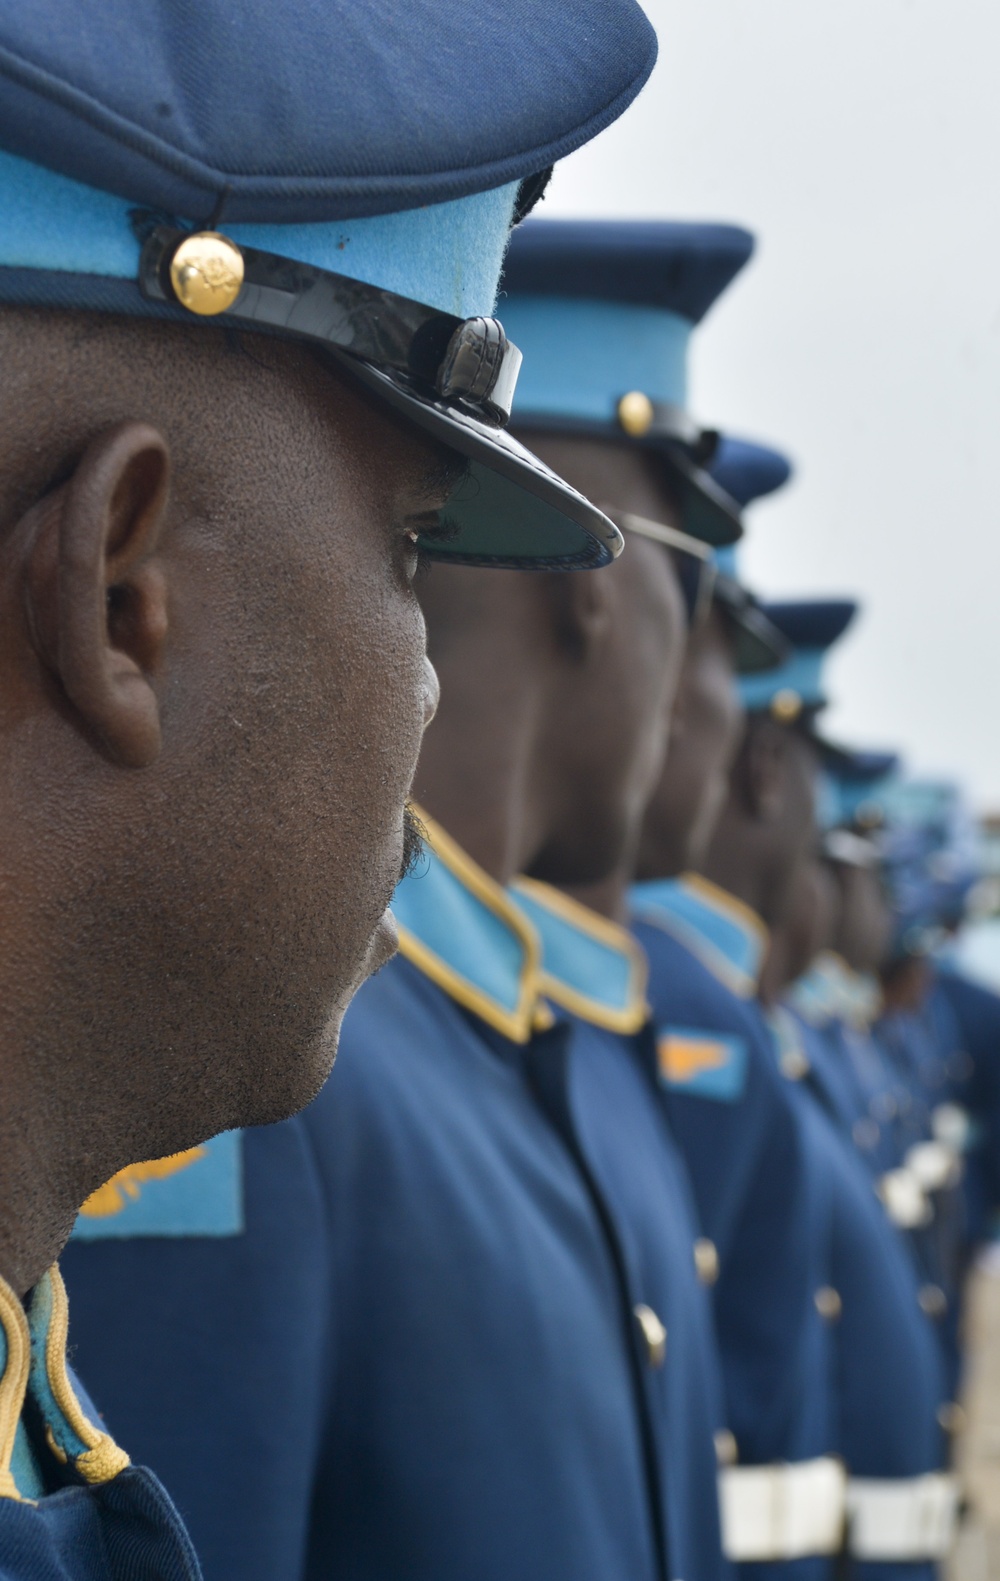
(831, 991)
(590, 966)
(464, 932)
(33, 1363)
(724, 934)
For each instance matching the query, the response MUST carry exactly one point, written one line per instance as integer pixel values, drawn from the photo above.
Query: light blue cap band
(725, 561)
(446, 254)
(581, 356)
(802, 674)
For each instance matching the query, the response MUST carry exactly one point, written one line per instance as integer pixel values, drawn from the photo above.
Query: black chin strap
(467, 362)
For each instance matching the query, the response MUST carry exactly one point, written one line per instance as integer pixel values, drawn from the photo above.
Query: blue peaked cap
(604, 310)
(602, 307)
(855, 786)
(932, 858)
(307, 111)
(748, 472)
(382, 143)
(810, 627)
(301, 115)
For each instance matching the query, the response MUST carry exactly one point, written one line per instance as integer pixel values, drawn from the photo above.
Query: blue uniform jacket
(924, 1047)
(891, 1377)
(975, 1083)
(760, 1201)
(602, 1098)
(836, 1011)
(410, 1329)
(887, 1378)
(72, 1508)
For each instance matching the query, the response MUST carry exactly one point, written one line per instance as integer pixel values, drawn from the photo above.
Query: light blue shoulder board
(198, 1192)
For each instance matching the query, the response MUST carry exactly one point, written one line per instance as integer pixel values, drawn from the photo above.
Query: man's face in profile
(198, 923)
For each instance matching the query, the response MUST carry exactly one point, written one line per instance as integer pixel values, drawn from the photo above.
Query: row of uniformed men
(586, 1227)
(595, 1221)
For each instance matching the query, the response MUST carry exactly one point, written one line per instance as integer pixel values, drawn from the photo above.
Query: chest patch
(197, 1192)
(706, 1065)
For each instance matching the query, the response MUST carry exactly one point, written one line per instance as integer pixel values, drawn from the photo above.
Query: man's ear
(764, 765)
(581, 604)
(96, 595)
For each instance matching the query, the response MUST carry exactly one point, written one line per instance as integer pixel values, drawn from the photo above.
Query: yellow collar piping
(626, 1018)
(529, 1014)
(736, 908)
(36, 1363)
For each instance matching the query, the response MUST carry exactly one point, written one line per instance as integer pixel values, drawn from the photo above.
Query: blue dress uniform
(462, 1385)
(866, 1379)
(892, 1384)
(352, 188)
(931, 864)
(976, 1087)
(892, 1388)
(498, 1383)
(765, 1214)
(599, 1093)
(836, 1008)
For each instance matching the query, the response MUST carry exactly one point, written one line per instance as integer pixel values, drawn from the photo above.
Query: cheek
(312, 739)
(382, 695)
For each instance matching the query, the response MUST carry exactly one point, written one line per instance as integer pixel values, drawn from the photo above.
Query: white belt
(782, 1511)
(905, 1518)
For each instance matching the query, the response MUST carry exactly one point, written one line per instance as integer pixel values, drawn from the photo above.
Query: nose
(431, 689)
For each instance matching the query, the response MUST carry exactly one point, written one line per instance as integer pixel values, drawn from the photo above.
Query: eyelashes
(431, 532)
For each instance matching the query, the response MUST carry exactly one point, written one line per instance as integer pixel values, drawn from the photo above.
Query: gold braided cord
(13, 1384)
(102, 1458)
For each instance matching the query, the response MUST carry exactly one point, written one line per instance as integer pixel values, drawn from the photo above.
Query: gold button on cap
(828, 1303)
(635, 413)
(706, 1260)
(933, 1301)
(653, 1333)
(726, 1449)
(206, 273)
(786, 705)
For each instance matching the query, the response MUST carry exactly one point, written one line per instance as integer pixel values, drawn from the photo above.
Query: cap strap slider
(481, 366)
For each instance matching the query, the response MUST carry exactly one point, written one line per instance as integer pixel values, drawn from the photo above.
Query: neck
(479, 771)
(774, 978)
(735, 862)
(38, 1200)
(609, 897)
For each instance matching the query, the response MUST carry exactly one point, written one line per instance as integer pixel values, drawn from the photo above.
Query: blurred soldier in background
(783, 1492)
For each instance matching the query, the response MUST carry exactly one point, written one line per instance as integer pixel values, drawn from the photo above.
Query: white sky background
(860, 141)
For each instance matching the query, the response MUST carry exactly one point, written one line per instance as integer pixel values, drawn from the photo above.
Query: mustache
(413, 841)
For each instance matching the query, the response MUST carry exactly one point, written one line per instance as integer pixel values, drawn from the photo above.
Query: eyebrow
(443, 478)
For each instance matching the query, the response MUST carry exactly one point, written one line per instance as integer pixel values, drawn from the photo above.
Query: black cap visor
(706, 511)
(510, 510)
(758, 645)
(453, 378)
